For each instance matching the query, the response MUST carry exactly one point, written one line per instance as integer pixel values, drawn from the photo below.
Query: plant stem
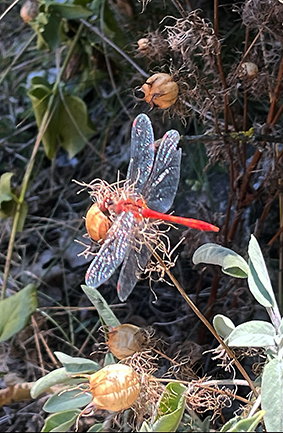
(204, 320)
(44, 124)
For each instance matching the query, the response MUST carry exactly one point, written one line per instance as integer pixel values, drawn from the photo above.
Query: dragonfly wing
(133, 266)
(161, 187)
(142, 151)
(112, 252)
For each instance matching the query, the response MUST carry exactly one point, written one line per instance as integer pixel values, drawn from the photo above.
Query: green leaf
(238, 424)
(70, 11)
(171, 408)
(231, 263)
(5, 188)
(255, 333)
(16, 310)
(61, 421)
(272, 396)
(22, 217)
(75, 127)
(53, 378)
(223, 325)
(66, 400)
(101, 305)
(96, 428)
(40, 94)
(145, 427)
(76, 365)
(258, 280)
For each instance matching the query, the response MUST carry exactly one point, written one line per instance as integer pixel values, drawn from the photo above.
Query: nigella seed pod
(29, 10)
(248, 70)
(115, 387)
(97, 223)
(127, 339)
(143, 45)
(160, 90)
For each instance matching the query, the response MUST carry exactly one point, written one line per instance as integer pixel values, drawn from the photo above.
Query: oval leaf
(258, 280)
(67, 400)
(231, 263)
(61, 421)
(255, 333)
(101, 305)
(75, 365)
(271, 395)
(223, 325)
(16, 310)
(53, 378)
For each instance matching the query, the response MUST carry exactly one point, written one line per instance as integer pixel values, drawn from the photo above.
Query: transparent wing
(133, 266)
(112, 252)
(142, 151)
(161, 187)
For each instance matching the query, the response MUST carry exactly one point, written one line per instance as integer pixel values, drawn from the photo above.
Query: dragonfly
(148, 192)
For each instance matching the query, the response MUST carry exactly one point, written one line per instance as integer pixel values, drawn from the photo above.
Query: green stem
(45, 121)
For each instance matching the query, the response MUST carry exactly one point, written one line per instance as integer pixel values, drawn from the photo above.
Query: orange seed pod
(126, 339)
(97, 223)
(115, 387)
(29, 10)
(160, 90)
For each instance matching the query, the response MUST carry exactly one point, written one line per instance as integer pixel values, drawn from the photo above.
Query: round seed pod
(29, 10)
(115, 387)
(160, 90)
(127, 339)
(248, 70)
(97, 223)
(143, 45)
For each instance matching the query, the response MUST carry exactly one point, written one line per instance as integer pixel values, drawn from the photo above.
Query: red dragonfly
(136, 209)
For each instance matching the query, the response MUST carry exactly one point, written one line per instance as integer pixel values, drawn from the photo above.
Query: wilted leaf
(16, 310)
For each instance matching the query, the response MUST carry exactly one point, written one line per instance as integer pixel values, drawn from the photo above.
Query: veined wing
(133, 266)
(161, 187)
(112, 252)
(142, 151)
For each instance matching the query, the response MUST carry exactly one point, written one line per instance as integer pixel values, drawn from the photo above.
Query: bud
(115, 387)
(127, 339)
(97, 223)
(160, 90)
(29, 10)
(143, 45)
(248, 70)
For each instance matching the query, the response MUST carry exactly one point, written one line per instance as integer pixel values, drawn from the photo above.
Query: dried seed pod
(160, 90)
(248, 70)
(143, 45)
(29, 10)
(115, 387)
(127, 339)
(97, 223)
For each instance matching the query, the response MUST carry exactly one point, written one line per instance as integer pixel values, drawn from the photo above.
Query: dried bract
(143, 45)
(127, 339)
(160, 90)
(97, 223)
